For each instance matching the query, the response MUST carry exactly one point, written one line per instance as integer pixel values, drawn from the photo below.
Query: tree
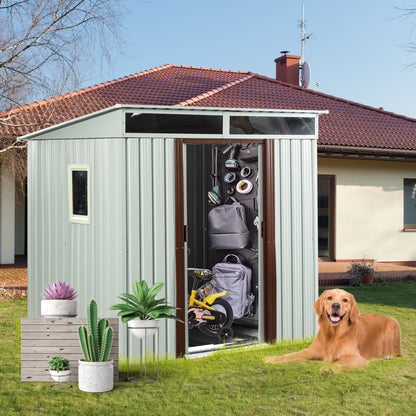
(45, 47)
(409, 13)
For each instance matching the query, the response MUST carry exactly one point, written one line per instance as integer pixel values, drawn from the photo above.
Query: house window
(79, 193)
(409, 193)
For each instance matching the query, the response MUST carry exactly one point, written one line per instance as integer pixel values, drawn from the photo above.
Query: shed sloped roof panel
(347, 124)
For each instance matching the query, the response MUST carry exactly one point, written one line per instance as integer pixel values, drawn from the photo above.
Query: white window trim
(78, 219)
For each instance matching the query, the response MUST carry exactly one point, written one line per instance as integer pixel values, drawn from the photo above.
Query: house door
(222, 184)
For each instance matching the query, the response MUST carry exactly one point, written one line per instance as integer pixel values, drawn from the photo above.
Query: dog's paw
(331, 369)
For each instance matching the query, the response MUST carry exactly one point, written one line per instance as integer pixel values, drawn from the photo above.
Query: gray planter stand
(145, 375)
(60, 384)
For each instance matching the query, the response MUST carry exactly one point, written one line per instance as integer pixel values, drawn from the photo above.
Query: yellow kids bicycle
(207, 311)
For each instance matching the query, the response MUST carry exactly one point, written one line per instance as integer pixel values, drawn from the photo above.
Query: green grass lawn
(234, 382)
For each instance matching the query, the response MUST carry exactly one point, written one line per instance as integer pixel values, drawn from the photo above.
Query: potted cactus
(59, 369)
(141, 309)
(59, 301)
(95, 372)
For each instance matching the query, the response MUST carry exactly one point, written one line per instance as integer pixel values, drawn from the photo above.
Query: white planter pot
(143, 328)
(95, 376)
(58, 308)
(60, 376)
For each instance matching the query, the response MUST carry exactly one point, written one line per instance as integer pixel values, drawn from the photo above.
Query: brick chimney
(287, 68)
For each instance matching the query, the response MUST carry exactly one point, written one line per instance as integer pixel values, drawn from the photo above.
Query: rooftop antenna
(305, 70)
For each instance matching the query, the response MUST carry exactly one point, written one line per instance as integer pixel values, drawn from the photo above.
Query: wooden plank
(41, 364)
(44, 338)
(50, 328)
(58, 324)
(52, 350)
(51, 343)
(51, 338)
(62, 321)
(47, 356)
(46, 335)
(42, 370)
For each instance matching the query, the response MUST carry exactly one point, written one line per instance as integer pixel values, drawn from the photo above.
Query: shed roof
(348, 124)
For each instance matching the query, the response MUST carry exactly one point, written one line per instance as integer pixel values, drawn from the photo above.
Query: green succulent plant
(96, 342)
(58, 364)
(142, 304)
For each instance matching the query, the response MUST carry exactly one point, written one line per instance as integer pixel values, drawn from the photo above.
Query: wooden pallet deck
(44, 338)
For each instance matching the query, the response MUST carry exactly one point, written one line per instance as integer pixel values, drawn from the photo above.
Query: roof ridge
(334, 97)
(86, 89)
(207, 94)
(117, 80)
(212, 69)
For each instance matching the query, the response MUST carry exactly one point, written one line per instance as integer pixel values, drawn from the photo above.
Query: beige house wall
(7, 211)
(369, 209)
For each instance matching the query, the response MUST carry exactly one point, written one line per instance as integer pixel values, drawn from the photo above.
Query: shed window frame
(407, 225)
(74, 217)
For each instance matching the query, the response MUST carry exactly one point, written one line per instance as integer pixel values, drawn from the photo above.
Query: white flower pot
(143, 328)
(95, 376)
(60, 376)
(58, 308)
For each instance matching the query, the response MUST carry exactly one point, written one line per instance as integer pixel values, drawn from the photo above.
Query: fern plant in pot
(142, 311)
(96, 371)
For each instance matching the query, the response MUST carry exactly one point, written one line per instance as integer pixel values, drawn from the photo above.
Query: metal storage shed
(137, 164)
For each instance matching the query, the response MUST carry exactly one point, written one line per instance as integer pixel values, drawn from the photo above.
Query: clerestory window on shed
(79, 193)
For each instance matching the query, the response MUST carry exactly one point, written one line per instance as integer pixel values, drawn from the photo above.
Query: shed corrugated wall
(91, 257)
(296, 237)
(132, 211)
(151, 218)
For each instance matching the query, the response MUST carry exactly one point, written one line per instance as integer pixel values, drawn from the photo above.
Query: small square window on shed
(79, 193)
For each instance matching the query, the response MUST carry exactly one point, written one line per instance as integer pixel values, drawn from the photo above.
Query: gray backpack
(235, 278)
(227, 227)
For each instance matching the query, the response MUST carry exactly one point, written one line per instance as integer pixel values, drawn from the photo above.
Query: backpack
(235, 278)
(227, 228)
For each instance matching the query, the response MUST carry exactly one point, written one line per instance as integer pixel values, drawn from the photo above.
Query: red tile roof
(347, 124)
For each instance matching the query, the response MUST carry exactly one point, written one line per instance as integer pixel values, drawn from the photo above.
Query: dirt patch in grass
(6, 294)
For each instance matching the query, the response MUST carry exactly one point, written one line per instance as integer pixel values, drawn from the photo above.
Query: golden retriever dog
(346, 338)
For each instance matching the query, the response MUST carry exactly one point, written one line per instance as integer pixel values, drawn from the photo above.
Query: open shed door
(223, 217)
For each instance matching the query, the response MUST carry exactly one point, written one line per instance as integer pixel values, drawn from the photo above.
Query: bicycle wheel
(224, 321)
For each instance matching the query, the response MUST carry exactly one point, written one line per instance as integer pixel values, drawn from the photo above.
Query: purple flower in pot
(59, 301)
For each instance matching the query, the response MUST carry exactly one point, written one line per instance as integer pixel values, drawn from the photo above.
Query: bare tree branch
(45, 48)
(407, 13)
(16, 145)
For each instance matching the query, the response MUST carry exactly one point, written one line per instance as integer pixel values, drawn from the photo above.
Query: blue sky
(356, 50)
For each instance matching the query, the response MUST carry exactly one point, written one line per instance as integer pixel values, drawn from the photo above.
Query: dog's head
(336, 305)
